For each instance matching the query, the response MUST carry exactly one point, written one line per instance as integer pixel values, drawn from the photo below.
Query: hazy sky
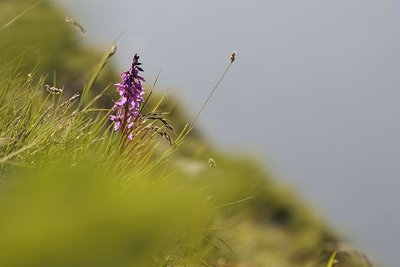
(314, 91)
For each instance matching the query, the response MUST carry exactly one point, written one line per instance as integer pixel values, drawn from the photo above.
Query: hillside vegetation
(74, 192)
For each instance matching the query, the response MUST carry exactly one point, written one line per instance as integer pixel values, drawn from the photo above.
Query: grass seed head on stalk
(76, 24)
(233, 56)
(212, 163)
(30, 78)
(53, 90)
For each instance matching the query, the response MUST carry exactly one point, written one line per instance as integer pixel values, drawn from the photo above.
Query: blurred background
(314, 92)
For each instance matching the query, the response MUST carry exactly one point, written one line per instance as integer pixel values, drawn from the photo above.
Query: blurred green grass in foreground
(80, 218)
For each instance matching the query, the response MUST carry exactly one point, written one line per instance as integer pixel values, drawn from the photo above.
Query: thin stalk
(210, 95)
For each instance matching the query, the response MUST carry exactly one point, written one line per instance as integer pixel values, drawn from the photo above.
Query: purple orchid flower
(131, 93)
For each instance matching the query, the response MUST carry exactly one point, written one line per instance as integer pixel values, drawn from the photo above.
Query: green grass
(73, 192)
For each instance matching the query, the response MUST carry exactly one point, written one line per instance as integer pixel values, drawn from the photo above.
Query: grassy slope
(270, 228)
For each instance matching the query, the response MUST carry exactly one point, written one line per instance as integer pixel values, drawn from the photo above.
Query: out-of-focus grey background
(314, 91)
